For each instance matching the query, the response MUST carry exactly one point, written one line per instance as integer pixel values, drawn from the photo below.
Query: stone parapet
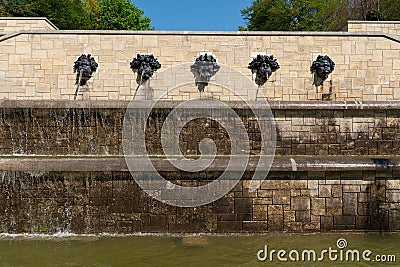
(386, 27)
(16, 24)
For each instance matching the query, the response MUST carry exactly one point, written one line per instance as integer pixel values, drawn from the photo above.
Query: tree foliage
(93, 11)
(65, 14)
(80, 14)
(123, 15)
(315, 15)
(375, 10)
(389, 9)
(294, 15)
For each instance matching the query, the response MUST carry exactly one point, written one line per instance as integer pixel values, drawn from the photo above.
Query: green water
(188, 251)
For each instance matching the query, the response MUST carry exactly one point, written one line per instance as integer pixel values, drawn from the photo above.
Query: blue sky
(206, 15)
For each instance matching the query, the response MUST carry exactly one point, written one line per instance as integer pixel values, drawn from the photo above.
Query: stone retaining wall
(84, 194)
(336, 164)
(39, 65)
(302, 129)
(98, 202)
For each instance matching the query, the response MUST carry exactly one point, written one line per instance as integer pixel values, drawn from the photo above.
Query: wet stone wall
(52, 194)
(79, 131)
(98, 202)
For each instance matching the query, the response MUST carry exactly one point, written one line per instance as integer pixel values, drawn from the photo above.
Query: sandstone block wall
(387, 27)
(15, 24)
(39, 65)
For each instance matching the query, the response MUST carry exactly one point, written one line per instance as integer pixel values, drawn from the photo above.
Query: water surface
(103, 250)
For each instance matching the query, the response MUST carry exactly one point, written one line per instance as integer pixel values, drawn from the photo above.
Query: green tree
(93, 11)
(389, 9)
(295, 15)
(123, 15)
(65, 14)
(22, 8)
(80, 14)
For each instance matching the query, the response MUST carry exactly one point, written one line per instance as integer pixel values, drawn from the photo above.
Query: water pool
(147, 250)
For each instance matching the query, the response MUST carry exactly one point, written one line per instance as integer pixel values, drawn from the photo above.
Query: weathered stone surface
(303, 216)
(318, 206)
(327, 223)
(275, 210)
(349, 203)
(394, 219)
(260, 212)
(96, 129)
(255, 227)
(334, 206)
(300, 203)
(275, 223)
(325, 190)
(93, 202)
(243, 205)
(281, 197)
(346, 220)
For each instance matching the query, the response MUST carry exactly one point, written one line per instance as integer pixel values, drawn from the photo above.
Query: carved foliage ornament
(145, 66)
(321, 68)
(203, 69)
(263, 66)
(84, 67)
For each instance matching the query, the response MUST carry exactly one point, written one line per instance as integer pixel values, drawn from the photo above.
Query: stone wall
(39, 65)
(301, 130)
(386, 27)
(335, 169)
(98, 202)
(13, 24)
(336, 164)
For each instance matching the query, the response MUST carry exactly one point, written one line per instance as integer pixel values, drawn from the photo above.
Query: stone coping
(373, 22)
(118, 164)
(167, 104)
(31, 18)
(207, 33)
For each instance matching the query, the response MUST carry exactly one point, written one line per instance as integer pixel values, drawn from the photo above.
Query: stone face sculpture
(203, 69)
(263, 66)
(321, 68)
(84, 67)
(145, 66)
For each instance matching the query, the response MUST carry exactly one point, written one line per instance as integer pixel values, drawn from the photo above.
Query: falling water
(31, 131)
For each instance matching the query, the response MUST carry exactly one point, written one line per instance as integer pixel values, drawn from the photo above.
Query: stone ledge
(215, 33)
(118, 164)
(166, 104)
(372, 22)
(207, 33)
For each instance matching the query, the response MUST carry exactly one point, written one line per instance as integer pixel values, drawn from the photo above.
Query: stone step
(292, 105)
(118, 164)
